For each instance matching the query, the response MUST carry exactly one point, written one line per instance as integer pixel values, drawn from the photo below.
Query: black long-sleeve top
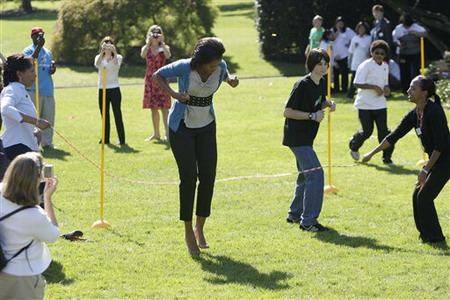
(433, 132)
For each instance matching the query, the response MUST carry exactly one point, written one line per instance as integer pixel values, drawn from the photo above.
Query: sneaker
(289, 220)
(388, 162)
(354, 154)
(313, 228)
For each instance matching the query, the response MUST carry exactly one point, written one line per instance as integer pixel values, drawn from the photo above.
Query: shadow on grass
(162, 142)
(123, 148)
(394, 169)
(234, 7)
(289, 69)
(36, 15)
(334, 237)
(55, 153)
(55, 274)
(126, 238)
(228, 271)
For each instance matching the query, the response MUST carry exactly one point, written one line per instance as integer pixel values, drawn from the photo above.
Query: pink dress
(154, 96)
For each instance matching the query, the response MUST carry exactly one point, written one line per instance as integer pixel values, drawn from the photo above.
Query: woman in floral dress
(155, 53)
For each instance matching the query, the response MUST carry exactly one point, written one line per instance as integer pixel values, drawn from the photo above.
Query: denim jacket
(182, 69)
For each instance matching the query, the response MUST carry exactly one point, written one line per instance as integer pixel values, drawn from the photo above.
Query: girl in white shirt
(22, 126)
(109, 60)
(358, 51)
(22, 277)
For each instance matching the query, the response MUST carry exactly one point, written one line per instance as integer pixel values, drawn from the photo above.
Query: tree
(26, 6)
(82, 24)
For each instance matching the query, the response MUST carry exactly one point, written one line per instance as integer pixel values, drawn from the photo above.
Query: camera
(156, 35)
(48, 171)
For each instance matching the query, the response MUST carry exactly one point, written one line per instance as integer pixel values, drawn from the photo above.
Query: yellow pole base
(330, 189)
(421, 162)
(101, 224)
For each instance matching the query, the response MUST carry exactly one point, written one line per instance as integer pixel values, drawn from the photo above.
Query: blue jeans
(308, 196)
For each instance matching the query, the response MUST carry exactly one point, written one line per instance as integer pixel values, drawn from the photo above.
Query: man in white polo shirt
(371, 79)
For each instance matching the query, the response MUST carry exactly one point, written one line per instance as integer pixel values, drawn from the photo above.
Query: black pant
(351, 89)
(13, 151)
(367, 118)
(343, 71)
(425, 215)
(114, 97)
(195, 150)
(409, 68)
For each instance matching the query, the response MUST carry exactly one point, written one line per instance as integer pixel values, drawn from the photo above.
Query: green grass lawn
(372, 251)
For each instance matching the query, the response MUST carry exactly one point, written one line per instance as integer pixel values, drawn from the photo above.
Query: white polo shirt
(15, 100)
(369, 72)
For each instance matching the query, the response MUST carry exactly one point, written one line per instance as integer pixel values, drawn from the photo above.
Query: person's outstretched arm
(382, 146)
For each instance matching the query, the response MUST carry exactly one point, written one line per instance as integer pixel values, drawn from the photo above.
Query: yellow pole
(36, 69)
(329, 188)
(102, 223)
(422, 71)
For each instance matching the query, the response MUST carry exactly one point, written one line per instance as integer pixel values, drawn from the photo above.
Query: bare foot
(200, 238)
(191, 244)
(153, 137)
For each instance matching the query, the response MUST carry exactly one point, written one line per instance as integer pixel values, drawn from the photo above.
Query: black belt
(199, 101)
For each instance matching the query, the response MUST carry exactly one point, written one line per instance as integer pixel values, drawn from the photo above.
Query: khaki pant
(47, 112)
(21, 287)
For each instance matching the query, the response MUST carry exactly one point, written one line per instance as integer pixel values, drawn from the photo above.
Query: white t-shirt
(15, 100)
(19, 230)
(342, 42)
(360, 48)
(369, 72)
(112, 72)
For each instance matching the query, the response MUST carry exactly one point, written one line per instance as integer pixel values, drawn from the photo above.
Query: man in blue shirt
(45, 71)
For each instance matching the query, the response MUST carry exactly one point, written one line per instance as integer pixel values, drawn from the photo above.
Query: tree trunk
(26, 6)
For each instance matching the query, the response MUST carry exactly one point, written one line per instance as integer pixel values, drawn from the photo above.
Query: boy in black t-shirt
(303, 113)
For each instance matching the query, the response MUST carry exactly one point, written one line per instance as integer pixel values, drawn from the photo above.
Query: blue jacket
(182, 69)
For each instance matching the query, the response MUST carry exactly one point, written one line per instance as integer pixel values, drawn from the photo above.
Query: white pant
(47, 112)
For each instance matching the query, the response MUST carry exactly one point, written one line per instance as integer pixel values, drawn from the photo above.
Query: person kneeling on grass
(303, 113)
(372, 81)
(429, 121)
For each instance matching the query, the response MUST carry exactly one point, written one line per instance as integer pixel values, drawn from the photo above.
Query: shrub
(82, 24)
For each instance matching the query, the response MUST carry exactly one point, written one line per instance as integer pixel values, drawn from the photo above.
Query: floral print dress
(154, 96)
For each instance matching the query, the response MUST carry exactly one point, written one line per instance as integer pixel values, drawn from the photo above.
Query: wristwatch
(310, 116)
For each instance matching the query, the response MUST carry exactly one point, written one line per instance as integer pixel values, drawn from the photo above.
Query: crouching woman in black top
(429, 121)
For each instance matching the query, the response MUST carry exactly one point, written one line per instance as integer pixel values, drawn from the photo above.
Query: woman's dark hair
(379, 44)
(315, 56)
(14, 63)
(326, 34)
(339, 19)
(407, 20)
(427, 84)
(363, 24)
(206, 50)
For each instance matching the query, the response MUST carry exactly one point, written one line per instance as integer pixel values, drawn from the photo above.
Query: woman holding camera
(111, 61)
(155, 52)
(192, 130)
(27, 228)
(22, 126)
